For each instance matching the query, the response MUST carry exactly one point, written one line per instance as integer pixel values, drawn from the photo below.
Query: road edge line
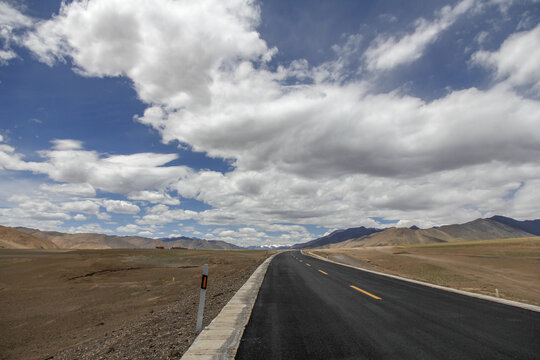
(461, 292)
(221, 338)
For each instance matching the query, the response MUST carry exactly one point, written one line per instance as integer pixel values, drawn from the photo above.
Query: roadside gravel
(162, 333)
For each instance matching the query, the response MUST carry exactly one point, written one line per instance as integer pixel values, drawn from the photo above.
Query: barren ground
(111, 304)
(510, 265)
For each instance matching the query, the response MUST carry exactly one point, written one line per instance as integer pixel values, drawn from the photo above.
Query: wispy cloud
(517, 62)
(388, 51)
(11, 21)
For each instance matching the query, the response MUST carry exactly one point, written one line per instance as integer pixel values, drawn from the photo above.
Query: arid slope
(13, 239)
(480, 229)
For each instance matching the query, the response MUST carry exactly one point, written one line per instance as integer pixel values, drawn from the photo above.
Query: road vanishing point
(312, 309)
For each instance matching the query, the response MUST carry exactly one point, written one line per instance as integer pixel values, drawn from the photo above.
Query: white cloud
(11, 20)
(517, 61)
(79, 217)
(129, 228)
(89, 228)
(161, 214)
(168, 48)
(85, 206)
(330, 130)
(324, 151)
(115, 173)
(121, 207)
(103, 216)
(154, 197)
(32, 210)
(387, 52)
(526, 200)
(481, 37)
(245, 236)
(67, 144)
(83, 189)
(9, 16)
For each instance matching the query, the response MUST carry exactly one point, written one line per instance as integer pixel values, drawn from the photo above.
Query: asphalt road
(311, 309)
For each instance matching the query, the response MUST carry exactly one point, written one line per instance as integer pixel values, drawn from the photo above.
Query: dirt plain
(510, 265)
(111, 304)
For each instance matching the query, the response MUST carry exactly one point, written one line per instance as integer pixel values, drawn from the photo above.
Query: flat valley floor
(131, 303)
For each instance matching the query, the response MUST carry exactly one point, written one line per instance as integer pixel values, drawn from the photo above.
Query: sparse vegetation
(510, 266)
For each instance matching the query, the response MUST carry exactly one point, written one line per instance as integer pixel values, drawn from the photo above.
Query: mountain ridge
(530, 226)
(196, 243)
(479, 229)
(13, 239)
(103, 241)
(336, 237)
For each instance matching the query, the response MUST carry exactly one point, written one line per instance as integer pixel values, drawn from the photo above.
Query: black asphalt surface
(301, 313)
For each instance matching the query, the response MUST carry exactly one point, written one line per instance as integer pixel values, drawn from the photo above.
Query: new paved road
(311, 309)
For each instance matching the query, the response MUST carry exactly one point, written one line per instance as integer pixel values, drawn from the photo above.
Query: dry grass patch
(510, 265)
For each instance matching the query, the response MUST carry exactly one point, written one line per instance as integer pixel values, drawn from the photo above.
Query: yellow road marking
(308, 264)
(365, 292)
(323, 272)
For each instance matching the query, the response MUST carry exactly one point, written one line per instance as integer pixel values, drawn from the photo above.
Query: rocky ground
(111, 304)
(165, 333)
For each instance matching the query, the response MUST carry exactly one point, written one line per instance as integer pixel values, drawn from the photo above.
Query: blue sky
(267, 122)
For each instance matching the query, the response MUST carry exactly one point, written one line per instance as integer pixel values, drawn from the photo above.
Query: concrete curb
(220, 339)
(466, 293)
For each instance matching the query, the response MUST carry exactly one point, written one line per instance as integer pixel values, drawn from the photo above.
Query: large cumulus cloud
(309, 144)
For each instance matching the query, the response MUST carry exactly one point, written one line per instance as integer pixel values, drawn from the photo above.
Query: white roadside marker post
(204, 282)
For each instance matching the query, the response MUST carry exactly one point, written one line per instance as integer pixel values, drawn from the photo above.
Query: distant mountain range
(337, 237)
(530, 226)
(268, 247)
(27, 238)
(495, 227)
(195, 243)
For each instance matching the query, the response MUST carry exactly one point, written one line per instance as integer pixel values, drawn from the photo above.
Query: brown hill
(102, 241)
(480, 229)
(193, 243)
(91, 241)
(13, 239)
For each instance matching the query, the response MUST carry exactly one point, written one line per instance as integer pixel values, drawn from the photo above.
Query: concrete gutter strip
(466, 293)
(220, 339)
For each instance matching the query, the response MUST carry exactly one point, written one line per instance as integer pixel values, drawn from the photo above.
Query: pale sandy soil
(510, 265)
(111, 304)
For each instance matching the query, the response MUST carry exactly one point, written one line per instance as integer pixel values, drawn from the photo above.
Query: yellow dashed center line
(365, 292)
(308, 264)
(323, 272)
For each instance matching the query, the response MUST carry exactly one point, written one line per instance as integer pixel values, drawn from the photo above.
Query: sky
(267, 122)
